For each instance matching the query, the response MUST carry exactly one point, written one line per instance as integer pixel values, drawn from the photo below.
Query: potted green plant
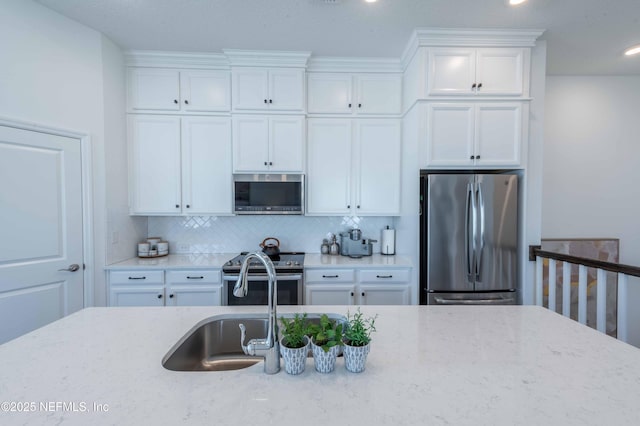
(325, 342)
(357, 339)
(294, 344)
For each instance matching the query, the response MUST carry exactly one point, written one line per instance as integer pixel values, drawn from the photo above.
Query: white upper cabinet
(206, 165)
(377, 153)
(353, 167)
(179, 165)
(154, 174)
(476, 72)
(344, 93)
(268, 143)
(329, 166)
(273, 89)
(474, 134)
(192, 91)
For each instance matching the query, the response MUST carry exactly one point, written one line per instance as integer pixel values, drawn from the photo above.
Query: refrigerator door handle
(469, 234)
(480, 247)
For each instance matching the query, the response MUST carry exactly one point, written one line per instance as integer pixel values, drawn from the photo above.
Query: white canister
(388, 241)
(143, 248)
(163, 247)
(153, 241)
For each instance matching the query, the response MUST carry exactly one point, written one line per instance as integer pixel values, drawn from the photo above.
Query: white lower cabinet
(194, 288)
(357, 287)
(182, 288)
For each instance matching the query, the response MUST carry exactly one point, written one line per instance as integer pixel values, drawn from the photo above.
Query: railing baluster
(539, 295)
(566, 289)
(552, 285)
(622, 307)
(582, 294)
(601, 301)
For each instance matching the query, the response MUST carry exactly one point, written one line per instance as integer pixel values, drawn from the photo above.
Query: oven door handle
(264, 277)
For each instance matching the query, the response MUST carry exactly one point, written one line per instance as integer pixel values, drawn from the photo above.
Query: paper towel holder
(388, 241)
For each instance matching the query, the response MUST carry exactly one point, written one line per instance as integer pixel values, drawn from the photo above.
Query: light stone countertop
(176, 261)
(429, 365)
(217, 260)
(315, 260)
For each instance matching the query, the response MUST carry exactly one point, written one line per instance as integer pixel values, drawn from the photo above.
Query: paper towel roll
(388, 241)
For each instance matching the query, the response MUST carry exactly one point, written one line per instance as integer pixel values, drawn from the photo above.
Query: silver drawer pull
(137, 278)
(330, 276)
(195, 278)
(384, 276)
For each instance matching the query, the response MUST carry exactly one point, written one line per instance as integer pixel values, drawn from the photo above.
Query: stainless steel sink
(214, 343)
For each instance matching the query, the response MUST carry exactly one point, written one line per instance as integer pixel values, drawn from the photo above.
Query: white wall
(51, 74)
(592, 166)
(122, 231)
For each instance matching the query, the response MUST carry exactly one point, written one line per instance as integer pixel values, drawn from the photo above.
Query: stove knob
(296, 263)
(289, 263)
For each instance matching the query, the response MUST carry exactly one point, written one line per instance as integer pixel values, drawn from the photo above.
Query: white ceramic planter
(325, 362)
(355, 357)
(295, 359)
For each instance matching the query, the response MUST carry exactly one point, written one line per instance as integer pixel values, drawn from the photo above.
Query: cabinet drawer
(384, 276)
(136, 277)
(330, 276)
(193, 277)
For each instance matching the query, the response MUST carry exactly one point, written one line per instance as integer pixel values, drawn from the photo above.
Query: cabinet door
(286, 144)
(194, 295)
(450, 133)
(206, 165)
(250, 143)
(137, 296)
(451, 71)
(377, 165)
(330, 294)
(378, 94)
(500, 71)
(498, 134)
(250, 89)
(286, 89)
(154, 164)
(205, 91)
(329, 166)
(383, 294)
(154, 89)
(329, 93)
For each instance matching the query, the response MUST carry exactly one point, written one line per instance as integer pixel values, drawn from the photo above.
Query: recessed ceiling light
(632, 51)
(371, 1)
(516, 2)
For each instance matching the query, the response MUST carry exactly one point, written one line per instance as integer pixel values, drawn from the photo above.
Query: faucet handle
(243, 335)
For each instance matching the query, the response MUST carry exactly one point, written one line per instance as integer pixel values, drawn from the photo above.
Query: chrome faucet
(267, 347)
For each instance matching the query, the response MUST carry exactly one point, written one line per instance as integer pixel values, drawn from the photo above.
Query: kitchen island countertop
(429, 365)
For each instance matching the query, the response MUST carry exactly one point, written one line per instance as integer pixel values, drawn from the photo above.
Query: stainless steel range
(289, 273)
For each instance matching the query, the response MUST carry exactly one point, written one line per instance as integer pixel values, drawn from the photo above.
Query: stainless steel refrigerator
(469, 238)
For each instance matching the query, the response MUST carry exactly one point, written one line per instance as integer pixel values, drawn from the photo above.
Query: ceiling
(585, 37)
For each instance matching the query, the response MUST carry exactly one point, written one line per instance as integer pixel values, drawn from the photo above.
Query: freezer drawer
(477, 298)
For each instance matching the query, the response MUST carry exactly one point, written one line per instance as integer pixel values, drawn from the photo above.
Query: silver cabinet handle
(72, 268)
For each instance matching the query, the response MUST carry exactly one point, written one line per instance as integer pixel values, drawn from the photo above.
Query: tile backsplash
(222, 234)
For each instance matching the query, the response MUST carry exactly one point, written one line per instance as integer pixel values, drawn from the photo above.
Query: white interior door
(41, 263)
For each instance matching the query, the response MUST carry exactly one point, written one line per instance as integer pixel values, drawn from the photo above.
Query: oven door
(289, 288)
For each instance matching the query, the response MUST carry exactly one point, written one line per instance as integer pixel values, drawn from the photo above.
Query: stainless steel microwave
(268, 194)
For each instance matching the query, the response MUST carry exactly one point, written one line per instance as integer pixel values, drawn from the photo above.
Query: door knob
(72, 268)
